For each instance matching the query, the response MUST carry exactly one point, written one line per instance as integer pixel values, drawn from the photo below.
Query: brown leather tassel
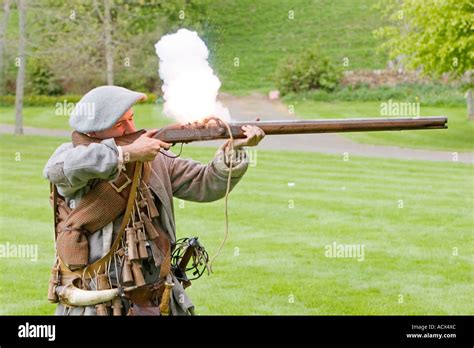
(132, 244)
(127, 277)
(150, 229)
(137, 273)
(103, 284)
(101, 309)
(149, 200)
(117, 306)
(142, 244)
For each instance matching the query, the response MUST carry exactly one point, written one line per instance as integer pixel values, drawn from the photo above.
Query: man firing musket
(113, 200)
(112, 187)
(112, 194)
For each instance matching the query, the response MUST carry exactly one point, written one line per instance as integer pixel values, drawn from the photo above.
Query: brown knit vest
(98, 207)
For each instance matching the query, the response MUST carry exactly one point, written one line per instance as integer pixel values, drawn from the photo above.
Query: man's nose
(129, 126)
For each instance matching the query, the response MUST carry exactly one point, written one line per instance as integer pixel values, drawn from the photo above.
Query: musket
(213, 128)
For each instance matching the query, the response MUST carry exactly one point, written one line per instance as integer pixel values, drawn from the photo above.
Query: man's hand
(144, 149)
(254, 137)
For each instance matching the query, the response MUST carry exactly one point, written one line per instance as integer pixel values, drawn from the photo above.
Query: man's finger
(254, 132)
(259, 132)
(164, 144)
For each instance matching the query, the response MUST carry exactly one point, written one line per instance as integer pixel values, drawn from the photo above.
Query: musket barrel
(347, 125)
(199, 132)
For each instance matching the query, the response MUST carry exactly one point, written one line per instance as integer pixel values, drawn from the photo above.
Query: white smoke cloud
(189, 85)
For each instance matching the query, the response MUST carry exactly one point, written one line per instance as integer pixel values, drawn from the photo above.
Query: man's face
(123, 126)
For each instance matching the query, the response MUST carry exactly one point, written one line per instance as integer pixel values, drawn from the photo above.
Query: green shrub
(39, 100)
(311, 70)
(42, 81)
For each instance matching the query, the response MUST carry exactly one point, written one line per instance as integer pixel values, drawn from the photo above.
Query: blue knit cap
(101, 107)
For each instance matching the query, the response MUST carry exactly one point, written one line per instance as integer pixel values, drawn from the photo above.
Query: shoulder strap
(100, 264)
(54, 202)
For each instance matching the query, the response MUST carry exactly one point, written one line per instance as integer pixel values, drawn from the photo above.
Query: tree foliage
(435, 35)
(66, 41)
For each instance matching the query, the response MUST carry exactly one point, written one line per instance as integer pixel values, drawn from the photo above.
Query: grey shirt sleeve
(193, 181)
(71, 168)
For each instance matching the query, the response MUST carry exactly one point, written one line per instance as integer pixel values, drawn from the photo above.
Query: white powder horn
(73, 296)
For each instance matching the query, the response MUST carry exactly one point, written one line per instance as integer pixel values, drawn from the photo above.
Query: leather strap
(54, 196)
(101, 263)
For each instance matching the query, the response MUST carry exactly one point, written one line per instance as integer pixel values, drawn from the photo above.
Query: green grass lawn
(274, 261)
(458, 137)
(261, 35)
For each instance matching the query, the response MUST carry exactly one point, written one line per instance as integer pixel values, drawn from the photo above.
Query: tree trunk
(20, 78)
(109, 49)
(470, 107)
(3, 39)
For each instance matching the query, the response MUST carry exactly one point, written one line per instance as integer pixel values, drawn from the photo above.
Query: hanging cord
(175, 156)
(229, 177)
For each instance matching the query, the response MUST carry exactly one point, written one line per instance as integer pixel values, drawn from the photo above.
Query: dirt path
(253, 106)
